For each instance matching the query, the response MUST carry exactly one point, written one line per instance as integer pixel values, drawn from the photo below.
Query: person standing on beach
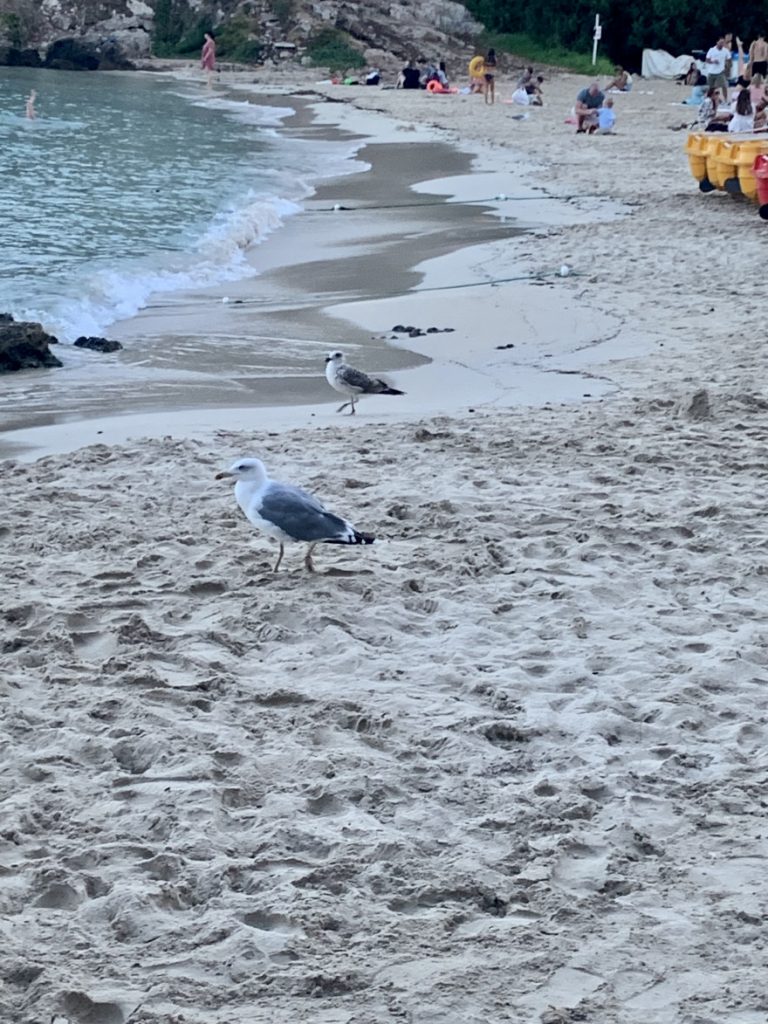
(489, 74)
(717, 57)
(31, 113)
(208, 56)
(758, 57)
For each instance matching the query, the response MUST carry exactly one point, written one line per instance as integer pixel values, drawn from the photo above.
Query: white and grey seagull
(287, 513)
(352, 382)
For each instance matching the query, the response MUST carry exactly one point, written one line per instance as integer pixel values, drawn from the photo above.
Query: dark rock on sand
(24, 346)
(98, 344)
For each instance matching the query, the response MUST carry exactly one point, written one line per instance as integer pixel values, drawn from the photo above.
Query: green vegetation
(10, 27)
(284, 11)
(331, 48)
(528, 49)
(178, 32)
(679, 26)
(236, 41)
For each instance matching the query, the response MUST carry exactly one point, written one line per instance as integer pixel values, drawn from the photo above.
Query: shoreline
(505, 765)
(374, 295)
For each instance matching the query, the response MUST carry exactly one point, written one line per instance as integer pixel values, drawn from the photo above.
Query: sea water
(127, 184)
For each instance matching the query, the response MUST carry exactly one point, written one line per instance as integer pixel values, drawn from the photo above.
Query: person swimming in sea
(30, 111)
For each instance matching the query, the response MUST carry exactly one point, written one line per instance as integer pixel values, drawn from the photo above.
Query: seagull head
(245, 469)
(335, 357)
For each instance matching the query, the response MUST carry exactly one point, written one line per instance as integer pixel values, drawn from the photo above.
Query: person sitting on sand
(31, 113)
(409, 77)
(373, 77)
(743, 119)
(710, 118)
(606, 118)
(691, 77)
(535, 93)
(588, 102)
(620, 80)
(525, 79)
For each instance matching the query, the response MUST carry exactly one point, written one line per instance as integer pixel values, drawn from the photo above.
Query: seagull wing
(301, 516)
(357, 381)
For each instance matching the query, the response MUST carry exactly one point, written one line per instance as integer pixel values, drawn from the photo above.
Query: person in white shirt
(744, 118)
(717, 57)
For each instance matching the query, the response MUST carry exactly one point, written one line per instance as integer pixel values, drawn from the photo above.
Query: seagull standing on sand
(288, 513)
(352, 382)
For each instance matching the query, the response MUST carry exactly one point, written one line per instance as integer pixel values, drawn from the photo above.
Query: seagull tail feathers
(391, 391)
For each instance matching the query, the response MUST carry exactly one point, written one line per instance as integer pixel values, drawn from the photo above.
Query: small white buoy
(500, 196)
(225, 299)
(336, 207)
(565, 270)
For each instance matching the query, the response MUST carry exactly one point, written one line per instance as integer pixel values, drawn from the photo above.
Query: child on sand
(606, 118)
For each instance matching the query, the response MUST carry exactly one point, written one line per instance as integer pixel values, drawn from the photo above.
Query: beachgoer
(208, 56)
(410, 77)
(758, 56)
(373, 77)
(716, 58)
(535, 92)
(442, 74)
(588, 102)
(757, 93)
(525, 79)
(489, 74)
(709, 117)
(692, 74)
(606, 118)
(621, 77)
(31, 113)
(744, 118)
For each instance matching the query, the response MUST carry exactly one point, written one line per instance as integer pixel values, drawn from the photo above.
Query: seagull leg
(279, 557)
(308, 558)
(342, 407)
(352, 403)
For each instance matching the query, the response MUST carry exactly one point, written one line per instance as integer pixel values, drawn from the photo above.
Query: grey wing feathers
(357, 379)
(300, 515)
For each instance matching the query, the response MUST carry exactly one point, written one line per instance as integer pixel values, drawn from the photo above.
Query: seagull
(288, 513)
(352, 382)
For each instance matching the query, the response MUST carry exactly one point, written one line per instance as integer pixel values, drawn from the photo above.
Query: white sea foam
(166, 190)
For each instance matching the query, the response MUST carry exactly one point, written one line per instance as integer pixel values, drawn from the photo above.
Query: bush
(528, 49)
(10, 27)
(177, 30)
(236, 41)
(331, 48)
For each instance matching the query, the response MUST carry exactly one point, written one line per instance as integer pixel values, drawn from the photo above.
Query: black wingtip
(392, 391)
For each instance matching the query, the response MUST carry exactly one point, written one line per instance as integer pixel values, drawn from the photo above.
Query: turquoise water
(128, 184)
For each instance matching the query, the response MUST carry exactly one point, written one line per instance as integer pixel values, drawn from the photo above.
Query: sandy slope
(507, 765)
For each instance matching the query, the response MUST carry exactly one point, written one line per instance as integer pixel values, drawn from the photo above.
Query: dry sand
(508, 765)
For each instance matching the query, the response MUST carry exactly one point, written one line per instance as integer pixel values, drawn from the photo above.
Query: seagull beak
(222, 475)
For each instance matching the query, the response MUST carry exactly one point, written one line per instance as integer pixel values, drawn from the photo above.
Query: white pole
(595, 38)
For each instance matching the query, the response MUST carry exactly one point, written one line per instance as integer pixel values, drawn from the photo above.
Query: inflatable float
(476, 68)
(736, 164)
(435, 87)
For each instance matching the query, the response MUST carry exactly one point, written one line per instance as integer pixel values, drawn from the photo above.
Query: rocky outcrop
(97, 344)
(112, 32)
(24, 346)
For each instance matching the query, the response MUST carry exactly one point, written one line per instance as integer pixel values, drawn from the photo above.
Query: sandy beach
(508, 763)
